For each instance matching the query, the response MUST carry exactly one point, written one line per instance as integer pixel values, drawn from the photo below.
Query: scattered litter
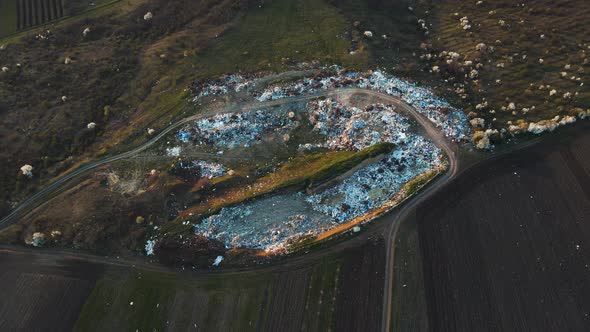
(27, 170)
(218, 260)
(149, 247)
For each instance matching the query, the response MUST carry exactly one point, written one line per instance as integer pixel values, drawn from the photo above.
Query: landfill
(231, 130)
(204, 169)
(452, 122)
(273, 223)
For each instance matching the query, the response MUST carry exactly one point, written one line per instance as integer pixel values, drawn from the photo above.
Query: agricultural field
(513, 243)
(8, 17)
(325, 294)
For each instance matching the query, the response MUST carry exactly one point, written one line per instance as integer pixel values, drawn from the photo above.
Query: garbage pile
(371, 187)
(231, 130)
(267, 224)
(201, 169)
(453, 122)
(220, 86)
(272, 223)
(351, 128)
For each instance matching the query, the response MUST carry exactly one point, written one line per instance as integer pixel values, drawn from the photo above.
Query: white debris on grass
(217, 261)
(204, 169)
(148, 16)
(38, 239)
(149, 247)
(223, 85)
(86, 32)
(174, 151)
(91, 125)
(27, 170)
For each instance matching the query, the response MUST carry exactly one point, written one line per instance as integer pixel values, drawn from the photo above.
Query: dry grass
(519, 46)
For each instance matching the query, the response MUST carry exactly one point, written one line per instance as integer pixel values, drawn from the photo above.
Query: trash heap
(453, 122)
(203, 169)
(272, 223)
(371, 187)
(220, 86)
(266, 224)
(231, 130)
(351, 128)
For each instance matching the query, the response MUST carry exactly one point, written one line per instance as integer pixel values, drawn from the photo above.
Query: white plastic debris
(91, 125)
(150, 131)
(67, 60)
(217, 261)
(368, 34)
(174, 151)
(148, 16)
(86, 32)
(356, 229)
(38, 239)
(64, 98)
(5, 69)
(27, 170)
(149, 247)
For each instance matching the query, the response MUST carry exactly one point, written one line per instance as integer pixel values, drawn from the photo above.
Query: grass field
(8, 17)
(147, 301)
(267, 37)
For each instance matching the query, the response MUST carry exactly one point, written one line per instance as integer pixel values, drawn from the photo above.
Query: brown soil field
(505, 245)
(40, 294)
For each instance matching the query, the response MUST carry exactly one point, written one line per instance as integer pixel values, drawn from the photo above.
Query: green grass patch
(321, 296)
(7, 17)
(111, 298)
(160, 297)
(300, 30)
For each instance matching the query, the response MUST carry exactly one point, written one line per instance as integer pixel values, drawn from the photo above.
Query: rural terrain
(329, 165)
(341, 286)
